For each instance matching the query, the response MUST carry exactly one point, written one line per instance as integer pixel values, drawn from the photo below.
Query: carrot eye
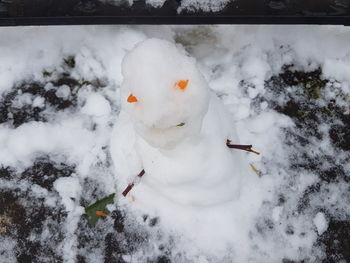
(181, 84)
(132, 99)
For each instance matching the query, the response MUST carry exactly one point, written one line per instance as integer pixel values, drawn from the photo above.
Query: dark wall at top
(32, 12)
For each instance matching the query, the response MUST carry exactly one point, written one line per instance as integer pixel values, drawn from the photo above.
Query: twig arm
(131, 185)
(247, 148)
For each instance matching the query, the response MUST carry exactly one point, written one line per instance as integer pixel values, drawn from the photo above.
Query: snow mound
(96, 105)
(321, 223)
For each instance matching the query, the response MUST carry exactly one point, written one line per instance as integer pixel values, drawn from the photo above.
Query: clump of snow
(39, 102)
(69, 189)
(320, 222)
(119, 2)
(203, 5)
(63, 92)
(155, 3)
(276, 213)
(22, 100)
(96, 105)
(22, 144)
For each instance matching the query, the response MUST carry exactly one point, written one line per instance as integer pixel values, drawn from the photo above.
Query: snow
(203, 5)
(7, 249)
(156, 3)
(39, 102)
(96, 105)
(274, 217)
(20, 146)
(22, 100)
(155, 88)
(276, 213)
(69, 189)
(63, 92)
(320, 222)
(191, 176)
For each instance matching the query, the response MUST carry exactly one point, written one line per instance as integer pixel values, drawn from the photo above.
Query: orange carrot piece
(100, 213)
(132, 99)
(182, 84)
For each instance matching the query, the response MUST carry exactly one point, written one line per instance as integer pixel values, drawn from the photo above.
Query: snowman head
(163, 92)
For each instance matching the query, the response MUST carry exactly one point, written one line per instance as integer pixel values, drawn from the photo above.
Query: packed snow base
(287, 91)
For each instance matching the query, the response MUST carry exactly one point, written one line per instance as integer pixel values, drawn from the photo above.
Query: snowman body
(180, 140)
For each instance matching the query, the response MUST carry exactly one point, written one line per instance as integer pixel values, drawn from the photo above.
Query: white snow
(235, 62)
(204, 5)
(63, 92)
(96, 105)
(187, 164)
(22, 100)
(320, 222)
(162, 105)
(7, 249)
(39, 102)
(69, 190)
(276, 213)
(156, 3)
(21, 145)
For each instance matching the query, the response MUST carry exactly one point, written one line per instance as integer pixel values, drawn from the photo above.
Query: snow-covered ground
(287, 89)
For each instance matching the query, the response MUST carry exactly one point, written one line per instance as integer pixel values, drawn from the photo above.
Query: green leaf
(100, 205)
(85, 83)
(180, 124)
(47, 73)
(70, 61)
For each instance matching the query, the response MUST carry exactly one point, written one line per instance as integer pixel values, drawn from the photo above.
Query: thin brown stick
(247, 148)
(130, 186)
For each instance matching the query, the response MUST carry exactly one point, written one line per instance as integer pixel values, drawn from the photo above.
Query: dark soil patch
(44, 172)
(29, 217)
(26, 112)
(32, 218)
(336, 241)
(19, 115)
(301, 104)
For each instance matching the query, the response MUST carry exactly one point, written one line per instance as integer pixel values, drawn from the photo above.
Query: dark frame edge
(172, 20)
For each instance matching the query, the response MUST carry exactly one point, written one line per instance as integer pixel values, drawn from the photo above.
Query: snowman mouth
(180, 124)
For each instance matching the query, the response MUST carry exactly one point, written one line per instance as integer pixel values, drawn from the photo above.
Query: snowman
(172, 139)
